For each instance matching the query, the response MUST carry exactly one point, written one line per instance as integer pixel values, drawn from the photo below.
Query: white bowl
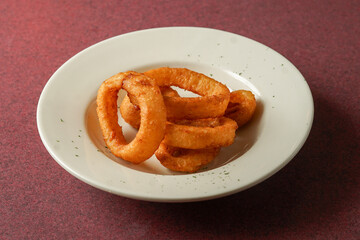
(69, 129)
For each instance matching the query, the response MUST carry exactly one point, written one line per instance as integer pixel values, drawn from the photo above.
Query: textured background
(316, 196)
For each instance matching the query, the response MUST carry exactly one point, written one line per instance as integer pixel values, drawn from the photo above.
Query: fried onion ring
(153, 116)
(214, 95)
(131, 112)
(184, 160)
(200, 133)
(241, 107)
(191, 134)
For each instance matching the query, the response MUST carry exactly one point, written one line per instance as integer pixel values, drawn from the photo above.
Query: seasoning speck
(79, 136)
(61, 120)
(194, 176)
(76, 155)
(76, 148)
(57, 140)
(211, 75)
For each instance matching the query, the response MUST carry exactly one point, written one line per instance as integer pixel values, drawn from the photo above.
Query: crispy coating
(241, 107)
(200, 133)
(131, 112)
(190, 134)
(153, 116)
(184, 160)
(214, 95)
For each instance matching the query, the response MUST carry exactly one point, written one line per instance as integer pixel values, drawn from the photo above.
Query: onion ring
(153, 116)
(131, 112)
(241, 107)
(190, 134)
(184, 160)
(200, 133)
(214, 95)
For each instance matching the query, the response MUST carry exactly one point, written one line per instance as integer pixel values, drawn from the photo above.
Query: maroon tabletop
(316, 196)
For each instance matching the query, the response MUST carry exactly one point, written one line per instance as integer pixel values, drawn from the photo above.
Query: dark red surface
(316, 196)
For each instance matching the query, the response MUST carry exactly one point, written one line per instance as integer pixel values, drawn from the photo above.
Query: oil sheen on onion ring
(184, 160)
(153, 116)
(241, 107)
(200, 133)
(131, 112)
(213, 100)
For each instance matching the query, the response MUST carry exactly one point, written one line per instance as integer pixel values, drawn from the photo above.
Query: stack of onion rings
(188, 132)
